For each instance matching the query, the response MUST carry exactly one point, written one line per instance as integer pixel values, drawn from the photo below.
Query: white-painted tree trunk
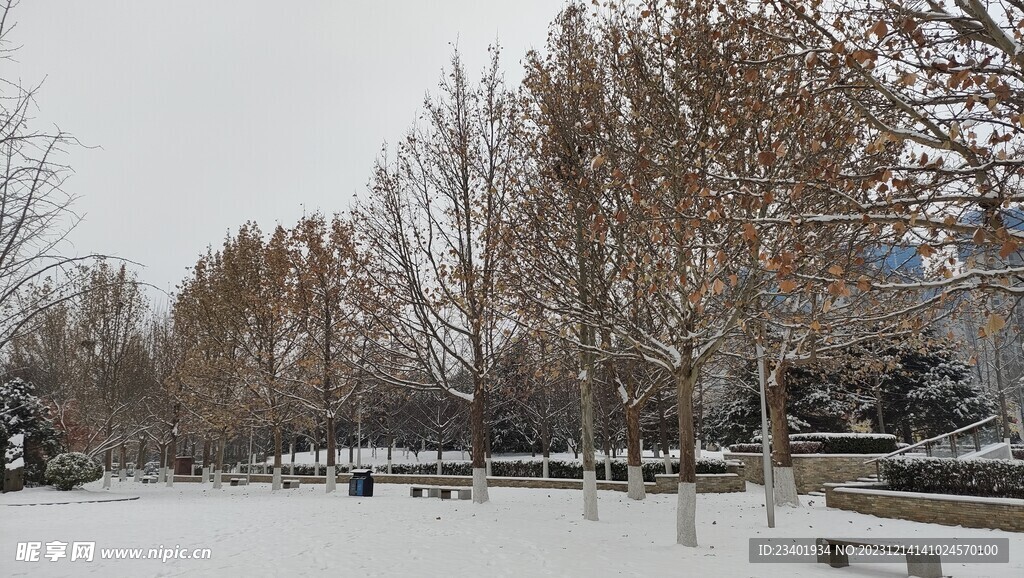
(635, 483)
(686, 515)
(697, 450)
(785, 487)
(206, 475)
(590, 495)
(668, 463)
(163, 476)
(138, 475)
(480, 485)
(276, 480)
(316, 469)
(291, 469)
(487, 462)
(546, 474)
(439, 470)
(106, 479)
(389, 465)
(217, 479)
(332, 479)
(122, 474)
(607, 469)
(170, 478)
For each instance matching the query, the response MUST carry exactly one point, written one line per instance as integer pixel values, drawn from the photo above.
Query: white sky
(207, 114)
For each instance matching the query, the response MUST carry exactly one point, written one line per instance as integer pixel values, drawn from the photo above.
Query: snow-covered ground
(521, 532)
(402, 456)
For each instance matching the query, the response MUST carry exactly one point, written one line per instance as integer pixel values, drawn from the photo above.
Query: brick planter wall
(812, 471)
(665, 484)
(971, 512)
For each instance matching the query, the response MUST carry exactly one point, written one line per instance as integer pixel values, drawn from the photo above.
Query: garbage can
(361, 484)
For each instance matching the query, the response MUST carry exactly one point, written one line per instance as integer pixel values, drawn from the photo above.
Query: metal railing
(930, 444)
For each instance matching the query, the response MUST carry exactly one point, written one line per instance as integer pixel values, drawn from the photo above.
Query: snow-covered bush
(794, 448)
(72, 469)
(988, 478)
(841, 443)
(1017, 451)
(850, 443)
(300, 469)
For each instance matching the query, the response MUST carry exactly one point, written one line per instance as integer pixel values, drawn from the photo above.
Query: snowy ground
(521, 532)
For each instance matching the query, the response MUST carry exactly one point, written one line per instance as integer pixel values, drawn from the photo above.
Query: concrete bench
(445, 493)
(922, 565)
(239, 481)
(289, 484)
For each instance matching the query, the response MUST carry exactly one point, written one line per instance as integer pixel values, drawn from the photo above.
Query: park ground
(520, 532)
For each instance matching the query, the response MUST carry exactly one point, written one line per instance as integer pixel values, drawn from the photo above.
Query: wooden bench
(148, 479)
(290, 484)
(445, 493)
(239, 481)
(922, 565)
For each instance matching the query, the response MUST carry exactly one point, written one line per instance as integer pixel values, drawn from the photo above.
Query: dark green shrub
(66, 471)
(987, 478)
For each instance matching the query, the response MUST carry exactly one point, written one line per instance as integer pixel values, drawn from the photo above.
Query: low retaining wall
(812, 471)
(665, 484)
(949, 510)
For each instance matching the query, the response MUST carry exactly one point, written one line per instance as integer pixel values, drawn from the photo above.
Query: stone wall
(968, 511)
(665, 484)
(13, 480)
(812, 471)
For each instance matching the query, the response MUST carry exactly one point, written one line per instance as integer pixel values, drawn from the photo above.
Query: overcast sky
(207, 114)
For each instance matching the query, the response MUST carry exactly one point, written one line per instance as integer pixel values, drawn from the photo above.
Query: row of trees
(674, 188)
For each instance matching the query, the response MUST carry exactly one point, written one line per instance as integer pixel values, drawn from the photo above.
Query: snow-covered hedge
(1017, 451)
(66, 471)
(986, 478)
(794, 448)
(845, 443)
(556, 469)
(850, 443)
(300, 469)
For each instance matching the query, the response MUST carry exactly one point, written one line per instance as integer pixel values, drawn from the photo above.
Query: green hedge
(986, 478)
(556, 469)
(850, 443)
(844, 443)
(300, 469)
(794, 448)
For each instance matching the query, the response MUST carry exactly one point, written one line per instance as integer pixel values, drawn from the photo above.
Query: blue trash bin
(361, 484)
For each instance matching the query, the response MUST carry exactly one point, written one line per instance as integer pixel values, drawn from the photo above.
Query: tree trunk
(122, 462)
(782, 459)
(140, 459)
(218, 468)
(634, 467)
(587, 435)
(686, 514)
(276, 480)
(391, 446)
(332, 469)
(479, 441)
(172, 451)
(206, 460)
